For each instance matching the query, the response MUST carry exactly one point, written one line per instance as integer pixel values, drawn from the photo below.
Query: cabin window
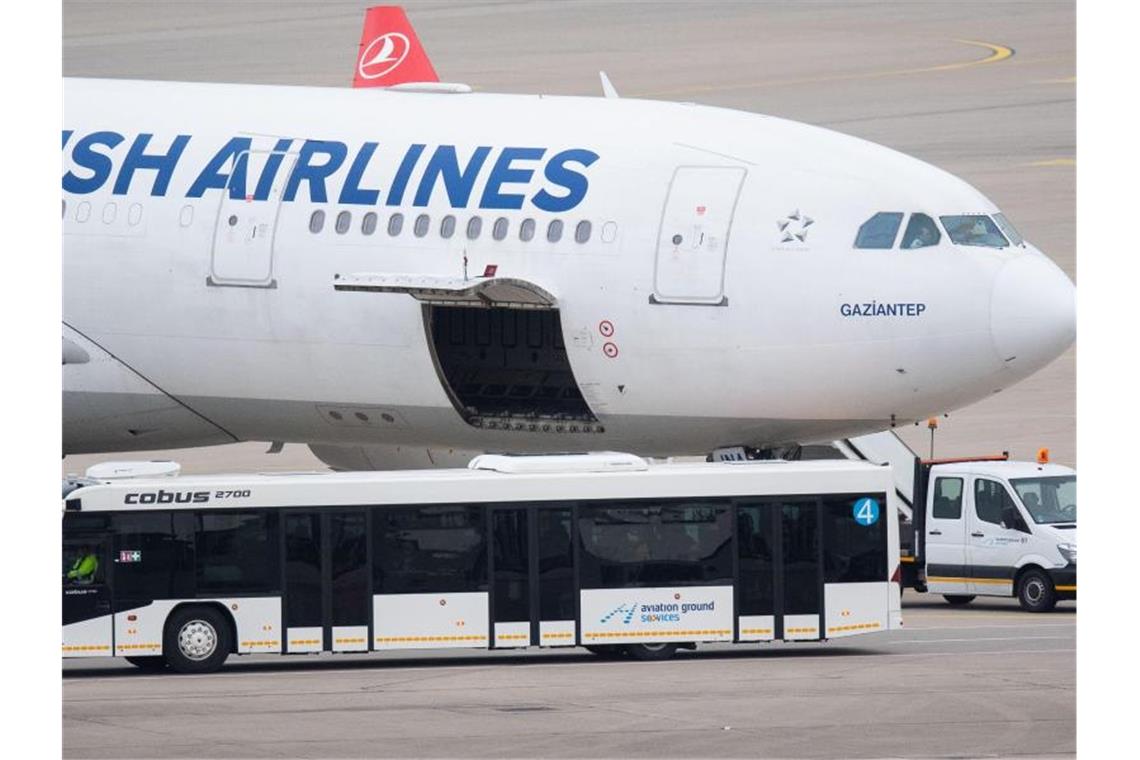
(554, 231)
(609, 232)
(317, 221)
(395, 224)
(65, 208)
(974, 230)
(526, 230)
(447, 226)
(420, 228)
(343, 222)
(879, 231)
(921, 232)
(368, 223)
(474, 227)
(134, 214)
(582, 231)
(109, 212)
(186, 216)
(499, 231)
(83, 211)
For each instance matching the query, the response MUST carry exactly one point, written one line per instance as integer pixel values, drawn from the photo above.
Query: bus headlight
(1069, 552)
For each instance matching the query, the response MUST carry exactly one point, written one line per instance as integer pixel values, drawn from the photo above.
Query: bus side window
(236, 553)
(555, 564)
(429, 549)
(150, 561)
(854, 551)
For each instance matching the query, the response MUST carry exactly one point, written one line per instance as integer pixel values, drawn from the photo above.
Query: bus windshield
(1049, 500)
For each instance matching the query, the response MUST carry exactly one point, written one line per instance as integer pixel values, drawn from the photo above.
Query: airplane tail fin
(390, 52)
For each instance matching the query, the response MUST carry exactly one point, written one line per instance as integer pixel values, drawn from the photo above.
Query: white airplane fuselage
(718, 300)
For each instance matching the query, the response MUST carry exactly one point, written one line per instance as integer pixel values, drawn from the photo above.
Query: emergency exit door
(692, 244)
(247, 220)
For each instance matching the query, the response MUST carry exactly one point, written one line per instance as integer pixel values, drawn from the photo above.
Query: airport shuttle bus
(602, 550)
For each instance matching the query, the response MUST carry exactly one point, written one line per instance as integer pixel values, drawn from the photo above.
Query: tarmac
(987, 680)
(929, 79)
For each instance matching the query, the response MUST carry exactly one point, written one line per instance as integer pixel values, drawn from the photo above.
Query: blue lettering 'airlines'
(509, 171)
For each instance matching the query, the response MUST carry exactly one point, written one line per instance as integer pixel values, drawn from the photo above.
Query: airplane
(409, 269)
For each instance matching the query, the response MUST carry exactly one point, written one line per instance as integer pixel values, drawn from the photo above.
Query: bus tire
(1035, 592)
(196, 640)
(650, 651)
(958, 599)
(148, 662)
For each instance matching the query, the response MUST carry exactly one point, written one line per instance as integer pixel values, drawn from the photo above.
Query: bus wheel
(650, 651)
(197, 640)
(149, 662)
(1035, 592)
(958, 599)
(608, 651)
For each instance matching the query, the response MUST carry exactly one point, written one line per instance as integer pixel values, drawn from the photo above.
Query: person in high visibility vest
(85, 566)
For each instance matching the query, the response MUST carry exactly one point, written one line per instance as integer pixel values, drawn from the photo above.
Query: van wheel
(149, 662)
(607, 651)
(958, 599)
(650, 651)
(1035, 592)
(197, 640)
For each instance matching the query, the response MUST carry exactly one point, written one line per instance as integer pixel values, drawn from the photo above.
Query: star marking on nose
(794, 227)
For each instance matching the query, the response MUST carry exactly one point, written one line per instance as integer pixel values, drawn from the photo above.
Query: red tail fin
(390, 52)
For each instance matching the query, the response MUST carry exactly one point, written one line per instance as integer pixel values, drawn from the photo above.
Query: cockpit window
(921, 232)
(974, 229)
(880, 230)
(1009, 230)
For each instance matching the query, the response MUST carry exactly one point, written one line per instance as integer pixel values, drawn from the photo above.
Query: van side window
(880, 230)
(947, 499)
(992, 502)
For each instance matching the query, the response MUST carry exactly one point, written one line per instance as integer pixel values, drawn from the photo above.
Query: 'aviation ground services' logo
(383, 54)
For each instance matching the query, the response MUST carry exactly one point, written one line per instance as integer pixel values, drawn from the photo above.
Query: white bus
(603, 551)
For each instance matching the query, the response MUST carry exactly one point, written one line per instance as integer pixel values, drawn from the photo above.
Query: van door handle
(935, 533)
(977, 534)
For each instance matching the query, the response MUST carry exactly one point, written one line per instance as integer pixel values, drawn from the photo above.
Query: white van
(994, 528)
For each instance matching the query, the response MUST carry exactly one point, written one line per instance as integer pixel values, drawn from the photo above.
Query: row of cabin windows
(500, 228)
(109, 213)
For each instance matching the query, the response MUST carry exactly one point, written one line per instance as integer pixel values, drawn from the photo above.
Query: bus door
(532, 576)
(88, 629)
(327, 581)
(779, 583)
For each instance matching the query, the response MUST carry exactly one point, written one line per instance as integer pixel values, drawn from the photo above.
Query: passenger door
(246, 226)
(532, 576)
(692, 243)
(997, 538)
(780, 579)
(946, 563)
(328, 581)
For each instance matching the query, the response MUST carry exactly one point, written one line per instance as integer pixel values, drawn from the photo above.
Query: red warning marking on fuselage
(610, 350)
(606, 328)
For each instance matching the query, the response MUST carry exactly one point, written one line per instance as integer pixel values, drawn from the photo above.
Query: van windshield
(1049, 500)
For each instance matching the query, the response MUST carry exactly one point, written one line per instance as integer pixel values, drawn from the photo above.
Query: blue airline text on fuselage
(320, 168)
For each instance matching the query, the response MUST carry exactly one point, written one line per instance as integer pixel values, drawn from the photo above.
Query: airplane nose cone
(1033, 315)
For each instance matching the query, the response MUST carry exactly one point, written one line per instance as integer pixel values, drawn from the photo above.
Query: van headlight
(1069, 552)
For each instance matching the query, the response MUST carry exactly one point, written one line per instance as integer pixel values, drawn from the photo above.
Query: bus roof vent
(158, 468)
(599, 461)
